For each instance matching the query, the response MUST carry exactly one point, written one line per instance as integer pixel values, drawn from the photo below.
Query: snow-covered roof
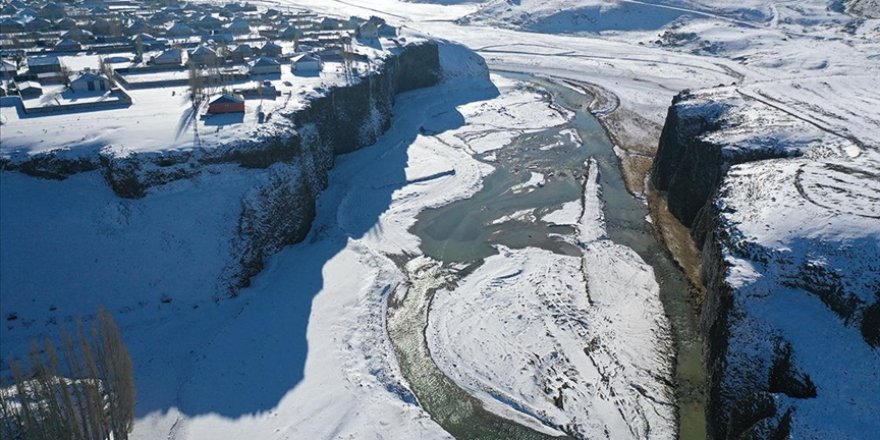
(226, 98)
(23, 85)
(145, 37)
(89, 76)
(265, 61)
(43, 61)
(203, 50)
(305, 58)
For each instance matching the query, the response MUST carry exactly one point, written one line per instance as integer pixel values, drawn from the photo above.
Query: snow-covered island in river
(434, 219)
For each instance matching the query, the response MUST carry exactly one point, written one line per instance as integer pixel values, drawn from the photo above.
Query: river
(458, 236)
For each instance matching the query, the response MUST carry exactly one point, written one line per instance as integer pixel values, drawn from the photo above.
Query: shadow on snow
(258, 343)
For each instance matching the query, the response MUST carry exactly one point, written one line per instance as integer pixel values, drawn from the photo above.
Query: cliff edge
(788, 219)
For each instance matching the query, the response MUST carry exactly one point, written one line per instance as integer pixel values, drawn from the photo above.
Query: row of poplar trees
(85, 392)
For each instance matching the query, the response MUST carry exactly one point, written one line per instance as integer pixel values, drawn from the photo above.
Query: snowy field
(303, 353)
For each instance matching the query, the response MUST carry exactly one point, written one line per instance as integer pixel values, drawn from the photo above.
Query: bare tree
(91, 399)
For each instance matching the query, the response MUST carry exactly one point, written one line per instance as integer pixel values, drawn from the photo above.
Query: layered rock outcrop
(788, 219)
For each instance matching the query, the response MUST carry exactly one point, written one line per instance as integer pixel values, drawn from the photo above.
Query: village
(181, 63)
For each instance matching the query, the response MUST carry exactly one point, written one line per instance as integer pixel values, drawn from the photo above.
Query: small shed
(90, 82)
(49, 64)
(306, 63)
(226, 103)
(29, 89)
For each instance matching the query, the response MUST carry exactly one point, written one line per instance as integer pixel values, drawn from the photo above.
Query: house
(52, 10)
(387, 31)
(160, 18)
(291, 33)
(38, 24)
(370, 29)
(239, 26)
(271, 49)
(353, 23)
(203, 55)
(241, 52)
(90, 82)
(226, 104)
(8, 69)
(68, 45)
(106, 27)
(65, 23)
(180, 30)
(220, 37)
(148, 42)
(329, 24)
(210, 22)
(171, 57)
(306, 63)
(38, 65)
(264, 66)
(138, 27)
(77, 34)
(27, 13)
(29, 89)
(11, 26)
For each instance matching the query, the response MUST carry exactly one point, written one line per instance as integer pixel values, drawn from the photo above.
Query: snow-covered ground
(805, 272)
(303, 352)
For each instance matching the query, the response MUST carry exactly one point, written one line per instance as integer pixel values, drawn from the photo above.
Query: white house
(264, 66)
(89, 82)
(306, 63)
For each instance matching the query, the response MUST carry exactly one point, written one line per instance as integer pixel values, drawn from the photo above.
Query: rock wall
(787, 221)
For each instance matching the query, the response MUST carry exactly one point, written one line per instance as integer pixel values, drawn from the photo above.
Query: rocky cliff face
(294, 154)
(788, 220)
